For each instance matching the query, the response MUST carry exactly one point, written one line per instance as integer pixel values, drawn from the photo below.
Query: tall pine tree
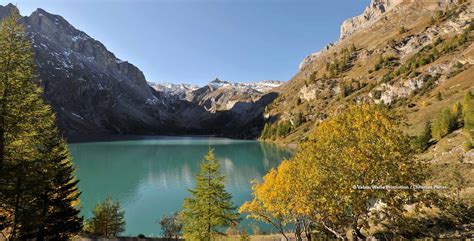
(37, 185)
(209, 210)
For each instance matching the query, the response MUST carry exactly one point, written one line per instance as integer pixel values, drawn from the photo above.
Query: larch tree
(444, 123)
(468, 119)
(422, 142)
(34, 203)
(209, 210)
(107, 219)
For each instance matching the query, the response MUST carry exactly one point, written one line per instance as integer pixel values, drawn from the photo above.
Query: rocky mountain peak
(217, 83)
(372, 12)
(7, 9)
(50, 22)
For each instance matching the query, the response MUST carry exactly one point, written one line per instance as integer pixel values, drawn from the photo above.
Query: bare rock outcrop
(376, 9)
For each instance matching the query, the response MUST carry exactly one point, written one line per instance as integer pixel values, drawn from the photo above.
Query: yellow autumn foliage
(360, 146)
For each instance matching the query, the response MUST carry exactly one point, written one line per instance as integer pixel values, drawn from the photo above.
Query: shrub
(432, 21)
(402, 30)
(298, 119)
(377, 94)
(386, 78)
(244, 236)
(439, 97)
(171, 226)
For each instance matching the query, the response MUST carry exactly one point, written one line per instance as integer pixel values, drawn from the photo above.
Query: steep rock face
(89, 88)
(376, 9)
(373, 12)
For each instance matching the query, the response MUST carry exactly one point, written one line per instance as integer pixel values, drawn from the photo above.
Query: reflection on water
(151, 177)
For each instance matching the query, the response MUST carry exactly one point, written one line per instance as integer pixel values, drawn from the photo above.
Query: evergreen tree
(444, 123)
(422, 142)
(107, 220)
(265, 131)
(209, 210)
(468, 118)
(60, 194)
(33, 203)
(439, 97)
(18, 107)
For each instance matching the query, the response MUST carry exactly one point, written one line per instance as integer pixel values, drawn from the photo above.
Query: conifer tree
(34, 202)
(444, 123)
(422, 142)
(209, 209)
(19, 98)
(468, 118)
(107, 220)
(60, 193)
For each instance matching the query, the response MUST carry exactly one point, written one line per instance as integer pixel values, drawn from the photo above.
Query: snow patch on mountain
(185, 90)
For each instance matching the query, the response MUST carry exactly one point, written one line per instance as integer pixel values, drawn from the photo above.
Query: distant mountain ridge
(170, 90)
(182, 90)
(218, 95)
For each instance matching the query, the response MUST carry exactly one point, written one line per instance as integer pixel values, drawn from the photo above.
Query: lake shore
(266, 237)
(71, 139)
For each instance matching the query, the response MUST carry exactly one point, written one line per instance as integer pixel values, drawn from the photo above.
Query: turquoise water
(151, 177)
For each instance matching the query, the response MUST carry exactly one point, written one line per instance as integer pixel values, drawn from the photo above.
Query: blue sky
(194, 41)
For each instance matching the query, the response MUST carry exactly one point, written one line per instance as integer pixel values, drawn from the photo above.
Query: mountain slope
(401, 57)
(89, 88)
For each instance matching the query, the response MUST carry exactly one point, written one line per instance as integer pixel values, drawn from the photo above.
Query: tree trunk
(298, 230)
(17, 205)
(209, 204)
(307, 229)
(2, 130)
(42, 232)
(338, 235)
(2, 139)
